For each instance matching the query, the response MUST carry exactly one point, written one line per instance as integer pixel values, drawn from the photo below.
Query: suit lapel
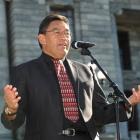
(73, 74)
(73, 70)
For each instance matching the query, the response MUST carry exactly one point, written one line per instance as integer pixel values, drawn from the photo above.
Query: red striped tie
(67, 92)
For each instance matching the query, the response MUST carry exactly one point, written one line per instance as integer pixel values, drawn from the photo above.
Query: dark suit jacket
(39, 89)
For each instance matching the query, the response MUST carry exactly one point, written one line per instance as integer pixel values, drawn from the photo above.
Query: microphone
(82, 44)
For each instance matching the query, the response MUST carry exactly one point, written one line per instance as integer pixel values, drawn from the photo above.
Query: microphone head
(81, 44)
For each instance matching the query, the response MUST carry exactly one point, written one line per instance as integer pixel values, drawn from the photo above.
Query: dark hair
(48, 19)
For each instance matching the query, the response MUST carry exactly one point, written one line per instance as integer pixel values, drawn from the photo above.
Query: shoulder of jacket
(26, 65)
(80, 65)
(74, 62)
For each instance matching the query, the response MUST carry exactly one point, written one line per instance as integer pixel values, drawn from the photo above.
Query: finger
(17, 102)
(6, 87)
(14, 107)
(16, 94)
(14, 89)
(18, 98)
(10, 91)
(10, 86)
(11, 99)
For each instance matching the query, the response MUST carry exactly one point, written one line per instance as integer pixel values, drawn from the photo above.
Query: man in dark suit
(58, 104)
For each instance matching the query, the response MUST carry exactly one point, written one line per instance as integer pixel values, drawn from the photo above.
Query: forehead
(58, 24)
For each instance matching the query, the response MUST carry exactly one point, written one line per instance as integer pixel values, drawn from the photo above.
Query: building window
(123, 38)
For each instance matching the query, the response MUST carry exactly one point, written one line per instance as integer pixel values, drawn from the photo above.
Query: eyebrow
(57, 29)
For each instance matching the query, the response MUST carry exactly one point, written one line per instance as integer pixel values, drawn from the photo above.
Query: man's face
(57, 39)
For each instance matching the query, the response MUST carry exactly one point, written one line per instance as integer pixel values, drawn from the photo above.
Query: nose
(65, 33)
(62, 35)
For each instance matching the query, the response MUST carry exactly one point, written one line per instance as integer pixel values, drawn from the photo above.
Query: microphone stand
(116, 91)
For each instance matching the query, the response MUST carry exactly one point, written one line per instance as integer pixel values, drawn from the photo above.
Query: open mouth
(62, 46)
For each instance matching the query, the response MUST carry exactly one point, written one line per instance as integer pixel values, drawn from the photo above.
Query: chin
(62, 57)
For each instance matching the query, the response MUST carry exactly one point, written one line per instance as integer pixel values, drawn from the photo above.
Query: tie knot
(59, 66)
(56, 62)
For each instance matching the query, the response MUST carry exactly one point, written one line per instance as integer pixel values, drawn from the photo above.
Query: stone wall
(3, 48)
(26, 16)
(94, 22)
(4, 73)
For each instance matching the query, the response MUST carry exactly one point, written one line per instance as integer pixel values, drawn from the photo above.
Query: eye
(56, 31)
(67, 33)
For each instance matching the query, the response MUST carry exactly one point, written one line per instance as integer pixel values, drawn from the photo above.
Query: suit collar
(71, 68)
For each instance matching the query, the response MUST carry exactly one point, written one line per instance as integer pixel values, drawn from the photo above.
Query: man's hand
(11, 99)
(135, 97)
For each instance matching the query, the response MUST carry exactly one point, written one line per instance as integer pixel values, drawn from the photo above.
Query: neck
(54, 58)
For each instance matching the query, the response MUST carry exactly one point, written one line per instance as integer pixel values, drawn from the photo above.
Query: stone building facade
(114, 25)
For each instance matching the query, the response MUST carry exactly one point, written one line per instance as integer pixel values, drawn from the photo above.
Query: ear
(42, 39)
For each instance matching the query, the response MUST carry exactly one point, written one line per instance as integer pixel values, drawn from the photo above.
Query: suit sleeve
(104, 112)
(18, 80)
